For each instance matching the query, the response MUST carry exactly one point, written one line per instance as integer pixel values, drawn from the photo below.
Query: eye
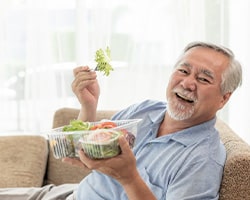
(183, 71)
(203, 80)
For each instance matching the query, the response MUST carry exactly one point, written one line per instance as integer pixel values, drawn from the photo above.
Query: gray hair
(232, 76)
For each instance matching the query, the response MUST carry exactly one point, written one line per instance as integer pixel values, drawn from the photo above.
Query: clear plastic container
(67, 144)
(102, 143)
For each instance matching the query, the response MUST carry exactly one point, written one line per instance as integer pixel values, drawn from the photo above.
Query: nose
(189, 83)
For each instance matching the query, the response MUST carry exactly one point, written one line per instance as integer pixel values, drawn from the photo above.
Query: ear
(225, 99)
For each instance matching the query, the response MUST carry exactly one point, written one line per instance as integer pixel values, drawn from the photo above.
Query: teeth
(185, 98)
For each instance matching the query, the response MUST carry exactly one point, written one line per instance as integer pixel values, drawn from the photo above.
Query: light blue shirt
(185, 165)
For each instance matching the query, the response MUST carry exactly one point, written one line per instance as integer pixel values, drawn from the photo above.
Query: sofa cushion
(23, 161)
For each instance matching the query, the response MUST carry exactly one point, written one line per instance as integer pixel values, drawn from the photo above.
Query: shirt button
(149, 144)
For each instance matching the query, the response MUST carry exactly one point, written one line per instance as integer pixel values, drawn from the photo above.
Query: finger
(85, 75)
(77, 70)
(81, 86)
(124, 145)
(87, 161)
(83, 79)
(80, 69)
(91, 163)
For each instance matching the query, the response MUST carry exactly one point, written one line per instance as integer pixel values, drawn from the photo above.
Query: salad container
(102, 143)
(97, 141)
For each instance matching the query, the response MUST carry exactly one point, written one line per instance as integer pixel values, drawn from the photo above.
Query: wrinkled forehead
(204, 56)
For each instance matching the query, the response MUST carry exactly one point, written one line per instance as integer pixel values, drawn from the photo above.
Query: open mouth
(184, 98)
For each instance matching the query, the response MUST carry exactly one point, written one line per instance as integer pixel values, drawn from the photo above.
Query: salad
(101, 144)
(78, 125)
(100, 139)
(103, 59)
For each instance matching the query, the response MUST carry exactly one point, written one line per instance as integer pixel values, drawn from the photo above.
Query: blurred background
(41, 41)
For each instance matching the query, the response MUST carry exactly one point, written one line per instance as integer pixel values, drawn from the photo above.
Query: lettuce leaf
(103, 58)
(77, 125)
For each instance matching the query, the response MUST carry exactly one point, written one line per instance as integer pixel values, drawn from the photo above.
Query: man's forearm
(87, 114)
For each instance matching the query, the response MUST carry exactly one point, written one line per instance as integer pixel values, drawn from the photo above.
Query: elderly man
(178, 154)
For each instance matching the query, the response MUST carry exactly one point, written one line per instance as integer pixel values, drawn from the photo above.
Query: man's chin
(180, 116)
(179, 111)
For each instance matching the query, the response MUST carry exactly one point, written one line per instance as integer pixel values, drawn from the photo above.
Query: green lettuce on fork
(103, 59)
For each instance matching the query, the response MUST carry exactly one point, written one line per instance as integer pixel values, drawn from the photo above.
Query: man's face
(193, 92)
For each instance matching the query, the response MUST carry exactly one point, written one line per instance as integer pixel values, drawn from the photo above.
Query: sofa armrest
(23, 160)
(236, 177)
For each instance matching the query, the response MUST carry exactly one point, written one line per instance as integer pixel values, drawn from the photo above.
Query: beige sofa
(27, 161)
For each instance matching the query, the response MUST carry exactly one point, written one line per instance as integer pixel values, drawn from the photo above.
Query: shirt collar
(157, 118)
(196, 133)
(186, 136)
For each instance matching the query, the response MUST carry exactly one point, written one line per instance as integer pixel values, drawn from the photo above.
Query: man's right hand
(86, 88)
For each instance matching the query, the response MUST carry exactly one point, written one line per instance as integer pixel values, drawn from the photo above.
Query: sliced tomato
(101, 136)
(104, 125)
(108, 124)
(97, 126)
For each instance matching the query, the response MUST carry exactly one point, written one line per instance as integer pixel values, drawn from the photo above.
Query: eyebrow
(203, 71)
(208, 73)
(186, 64)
